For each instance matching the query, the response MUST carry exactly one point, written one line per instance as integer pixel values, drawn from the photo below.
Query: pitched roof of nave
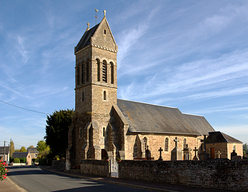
(148, 118)
(219, 137)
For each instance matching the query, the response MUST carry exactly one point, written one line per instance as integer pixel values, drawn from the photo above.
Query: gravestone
(195, 157)
(218, 154)
(148, 153)
(160, 156)
(186, 153)
(234, 155)
(176, 153)
(204, 155)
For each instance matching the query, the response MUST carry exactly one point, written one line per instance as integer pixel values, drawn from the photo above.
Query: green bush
(23, 159)
(16, 160)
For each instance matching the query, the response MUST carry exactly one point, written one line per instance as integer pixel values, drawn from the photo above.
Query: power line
(18, 136)
(23, 108)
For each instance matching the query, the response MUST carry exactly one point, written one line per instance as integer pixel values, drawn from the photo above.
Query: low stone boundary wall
(58, 164)
(220, 174)
(95, 167)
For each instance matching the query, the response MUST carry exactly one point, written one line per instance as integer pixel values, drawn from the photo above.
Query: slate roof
(199, 123)
(19, 154)
(6, 150)
(147, 118)
(32, 150)
(85, 40)
(219, 137)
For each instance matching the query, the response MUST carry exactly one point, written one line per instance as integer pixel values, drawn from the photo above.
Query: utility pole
(4, 151)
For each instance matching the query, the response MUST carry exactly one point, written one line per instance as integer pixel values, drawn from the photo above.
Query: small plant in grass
(3, 170)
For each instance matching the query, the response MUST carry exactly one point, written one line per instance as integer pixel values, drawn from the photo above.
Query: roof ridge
(149, 104)
(192, 115)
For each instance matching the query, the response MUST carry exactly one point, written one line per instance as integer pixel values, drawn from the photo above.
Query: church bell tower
(96, 70)
(95, 89)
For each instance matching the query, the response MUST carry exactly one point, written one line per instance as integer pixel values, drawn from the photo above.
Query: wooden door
(212, 153)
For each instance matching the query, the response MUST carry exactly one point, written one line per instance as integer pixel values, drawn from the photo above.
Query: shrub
(16, 160)
(3, 170)
(23, 159)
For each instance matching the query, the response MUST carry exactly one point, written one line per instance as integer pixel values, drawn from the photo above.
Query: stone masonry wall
(95, 167)
(156, 141)
(220, 174)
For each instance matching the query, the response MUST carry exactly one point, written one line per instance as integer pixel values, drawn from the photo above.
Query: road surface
(34, 179)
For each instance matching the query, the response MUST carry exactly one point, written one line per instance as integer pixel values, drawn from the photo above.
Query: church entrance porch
(104, 154)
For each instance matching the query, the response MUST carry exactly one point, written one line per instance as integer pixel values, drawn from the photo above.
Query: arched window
(104, 95)
(184, 142)
(83, 73)
(112, 72)
(87, 71)
(104, 71)
(166, 144)
(98, 69)
(78, 74)
(103, 131)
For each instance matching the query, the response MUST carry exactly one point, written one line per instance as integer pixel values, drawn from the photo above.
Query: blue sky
(192, 55)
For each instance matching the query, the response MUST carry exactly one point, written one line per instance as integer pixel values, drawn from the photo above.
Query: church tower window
(78, 75)
(104, 95)
(104, 71)
(81, 133)
(83, 73)
(83, 96)
(103, 131)
(98, 69)
(166, 144)
(87, 71)
(112, 72)
(105, 31)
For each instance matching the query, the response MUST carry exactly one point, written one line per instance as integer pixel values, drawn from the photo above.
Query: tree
(245, 149)
(23, 149)
(43, 149)
(57, 131)
(31, 146)
(11, 148)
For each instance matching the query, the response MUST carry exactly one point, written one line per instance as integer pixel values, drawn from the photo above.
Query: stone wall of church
(77, 137)
(156, 141)
(220, 174)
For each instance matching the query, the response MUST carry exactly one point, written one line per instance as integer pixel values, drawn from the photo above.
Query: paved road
(34, 179)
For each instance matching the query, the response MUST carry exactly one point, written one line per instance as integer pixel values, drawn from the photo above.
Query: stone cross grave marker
(195, 157)
(160, 151)
(176, 140)
(218, 154)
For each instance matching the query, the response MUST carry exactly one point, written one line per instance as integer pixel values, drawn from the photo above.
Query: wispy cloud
(22, 48)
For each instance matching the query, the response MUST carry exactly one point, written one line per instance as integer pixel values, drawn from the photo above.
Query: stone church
(105, 127)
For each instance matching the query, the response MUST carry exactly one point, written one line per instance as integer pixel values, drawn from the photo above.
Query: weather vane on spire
(96, 10)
